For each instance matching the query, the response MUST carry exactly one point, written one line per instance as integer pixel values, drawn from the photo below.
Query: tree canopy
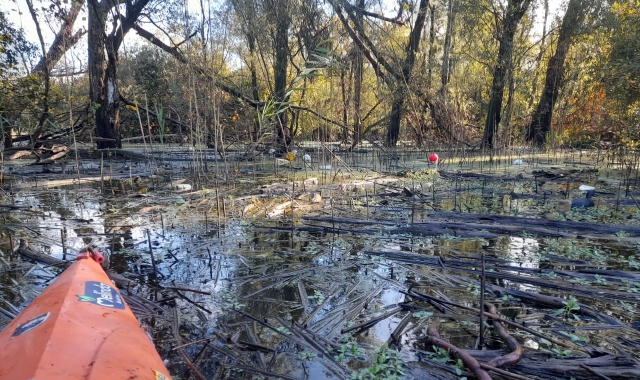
(472, 72)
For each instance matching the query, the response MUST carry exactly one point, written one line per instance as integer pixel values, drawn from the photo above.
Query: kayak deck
(78, 328)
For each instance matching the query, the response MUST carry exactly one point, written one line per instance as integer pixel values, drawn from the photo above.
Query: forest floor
(362, 265)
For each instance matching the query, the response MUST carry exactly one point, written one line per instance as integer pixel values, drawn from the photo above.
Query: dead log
(549, 366)
(20, 154)
(531, 224)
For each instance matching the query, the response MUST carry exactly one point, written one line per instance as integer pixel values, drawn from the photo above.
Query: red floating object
(433, 157)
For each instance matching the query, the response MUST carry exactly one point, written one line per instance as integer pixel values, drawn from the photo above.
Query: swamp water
(242, 295)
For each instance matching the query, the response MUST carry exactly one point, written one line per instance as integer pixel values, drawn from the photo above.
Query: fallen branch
(472, 364)
(517, 352)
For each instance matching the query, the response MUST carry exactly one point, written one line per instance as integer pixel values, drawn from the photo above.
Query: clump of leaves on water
(385, 365)
(577, 250)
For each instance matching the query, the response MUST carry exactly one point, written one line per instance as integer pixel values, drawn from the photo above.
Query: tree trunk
(103, 67)
(515, 10)
(254, 82)
(103, 89)
(401, 91)
(358, 67)
(446, 50)
(63, 41)
(534, 89)
(45, 73)
(281, 46)
(432, 45)
(571, 24)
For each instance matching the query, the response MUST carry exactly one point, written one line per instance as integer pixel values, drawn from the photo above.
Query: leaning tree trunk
(571, 24)
(393, 133)
(515, 10)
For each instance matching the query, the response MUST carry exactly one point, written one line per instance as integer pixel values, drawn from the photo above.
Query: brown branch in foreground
(517, 352)
(469, 361)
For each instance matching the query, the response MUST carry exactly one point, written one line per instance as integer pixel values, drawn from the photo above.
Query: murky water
(322, 277)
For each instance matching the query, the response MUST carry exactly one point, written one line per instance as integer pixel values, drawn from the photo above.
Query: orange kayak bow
(79, 328)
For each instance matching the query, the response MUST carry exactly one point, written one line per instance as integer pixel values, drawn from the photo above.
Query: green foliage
(422, 315)
(621, 74)
(385, 365)
(560, 352)
(440, 355)
(13, 44)
(570, 308)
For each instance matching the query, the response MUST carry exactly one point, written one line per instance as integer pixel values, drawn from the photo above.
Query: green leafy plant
(318, 295)
(560, 352)
(473, 289)
(440, 355)
(422, 315)
(632, 287)
(385, 365)
(306, 355)
(633, 263)
(581, 281)
(600, 280)
(570, 308)
(627, 307)
(510, 298)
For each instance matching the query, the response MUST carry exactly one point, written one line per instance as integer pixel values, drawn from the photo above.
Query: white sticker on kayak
(30, 324)
(99, 293)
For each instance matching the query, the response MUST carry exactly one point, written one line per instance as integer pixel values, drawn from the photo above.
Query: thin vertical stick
(162, 222)
(62, 239)
(153, 259)
(218, 208)
(482, 286)
(366, 197)
(102, 171)
(11, 247)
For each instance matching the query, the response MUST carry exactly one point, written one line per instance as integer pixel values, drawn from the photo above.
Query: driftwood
(547, 365)
(554, 302)
(471, 363)
(20, 154)
(531, 225)
(73, 181)
(488, 226)
(501, 273)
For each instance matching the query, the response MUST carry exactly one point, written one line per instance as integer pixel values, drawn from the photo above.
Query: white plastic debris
(295, 152)
(272, 151)
(586, 188)
(517, 162)
(306, 158)
(325, 167)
